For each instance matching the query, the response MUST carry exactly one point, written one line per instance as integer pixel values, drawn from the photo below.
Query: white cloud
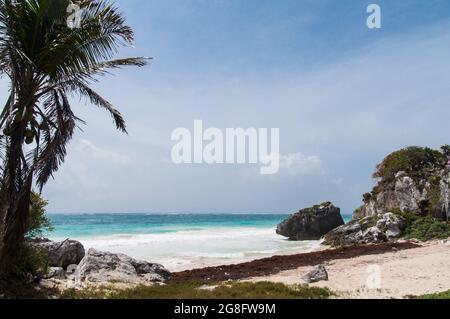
(300, 164)
(88, 148)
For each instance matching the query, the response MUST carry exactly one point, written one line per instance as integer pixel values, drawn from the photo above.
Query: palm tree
(47, 61)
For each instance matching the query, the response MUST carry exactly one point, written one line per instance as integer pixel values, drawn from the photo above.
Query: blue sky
(342, 95)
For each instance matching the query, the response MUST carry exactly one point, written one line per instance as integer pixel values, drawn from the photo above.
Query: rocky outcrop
(317, 274)
(408, 195)
(311, 223)
(104, 267)
(414, 180)
(368, 230)
(60, 254)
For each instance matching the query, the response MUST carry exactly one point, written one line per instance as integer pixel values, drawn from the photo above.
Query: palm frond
(53, 150)
(98, 100)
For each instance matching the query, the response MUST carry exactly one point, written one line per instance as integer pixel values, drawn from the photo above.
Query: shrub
(443, 295)
(30, 262)
(38, 222)
(425, 228)
(445, 149)
(412, 160)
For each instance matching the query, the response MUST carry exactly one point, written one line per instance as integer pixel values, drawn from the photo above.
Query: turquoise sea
(180, 241)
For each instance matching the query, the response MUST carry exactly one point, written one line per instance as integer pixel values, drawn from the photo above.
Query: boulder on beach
(105, 267)
(369, 230)
(317, 274)
(60, 254)
(311, 223)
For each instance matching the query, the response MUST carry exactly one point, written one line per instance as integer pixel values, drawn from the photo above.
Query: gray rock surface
(105, 267)
(391, 225)
(372, 229)
(317, 274)
(61, 254)
(419, 196)
(311, 223)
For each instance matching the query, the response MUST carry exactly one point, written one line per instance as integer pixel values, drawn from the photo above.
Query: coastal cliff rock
(414, 180)
(311, 223)
(104, 267)
(61, 254)
(368, 230)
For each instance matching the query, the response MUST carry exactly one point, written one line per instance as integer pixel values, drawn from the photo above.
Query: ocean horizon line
(166, 213)
(171, 213)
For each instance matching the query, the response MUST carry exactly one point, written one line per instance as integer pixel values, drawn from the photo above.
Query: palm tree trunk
(3, 213)
(14, 210)
(15, 226)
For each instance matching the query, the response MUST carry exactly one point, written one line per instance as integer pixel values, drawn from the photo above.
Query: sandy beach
(378, 271)
(365, 272)
(402, 273)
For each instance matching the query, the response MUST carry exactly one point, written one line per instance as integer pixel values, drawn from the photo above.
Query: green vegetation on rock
(425, 228)
(414, 161)
(414, 179)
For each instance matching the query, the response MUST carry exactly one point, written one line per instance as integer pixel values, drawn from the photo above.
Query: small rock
(317, 274)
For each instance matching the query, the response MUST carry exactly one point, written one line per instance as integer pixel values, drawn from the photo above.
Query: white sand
(416, 272)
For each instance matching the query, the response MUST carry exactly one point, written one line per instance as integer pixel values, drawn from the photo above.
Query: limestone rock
(61, 254)
(104, 267)
(426, 195)
(317, 274)
(373, 229)
(311, 223)
(391, 225)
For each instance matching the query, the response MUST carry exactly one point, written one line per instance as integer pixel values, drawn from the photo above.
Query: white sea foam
(186, 249)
